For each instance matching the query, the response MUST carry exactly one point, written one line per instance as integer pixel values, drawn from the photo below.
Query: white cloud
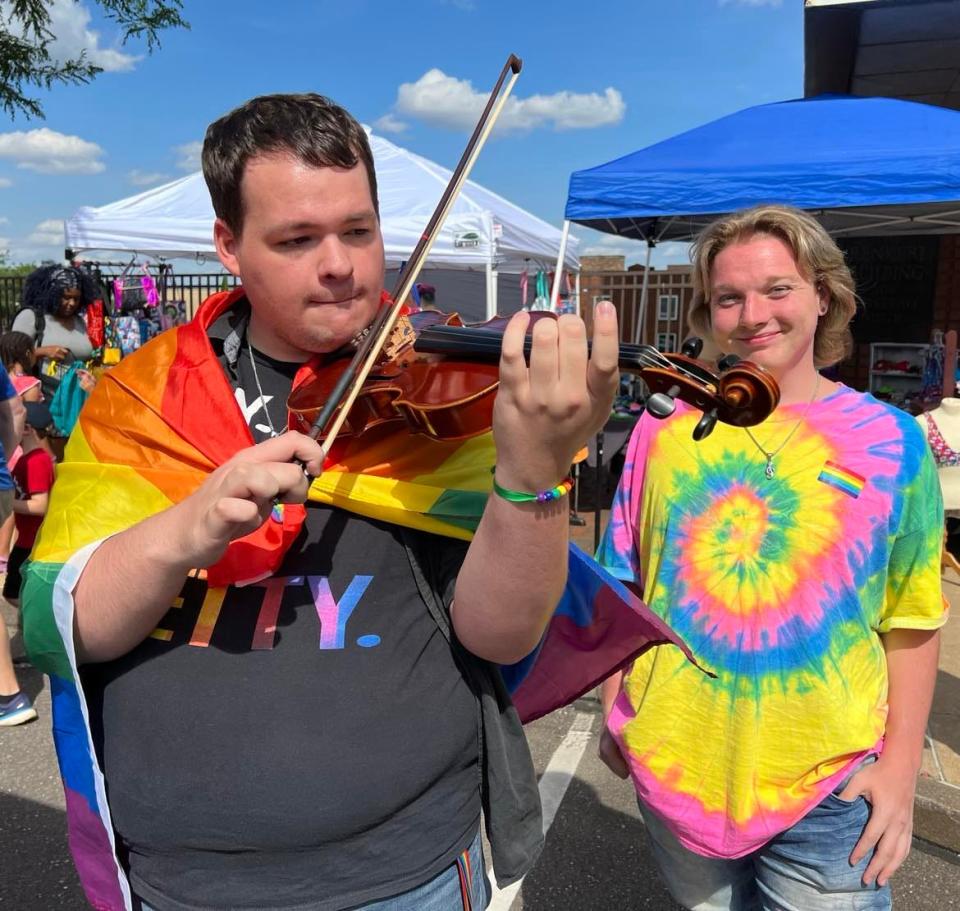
(70, 26)
(146, 178)
(445, 101)
(4, 220)
(49, 152)
(189, 156)
(390, 124)
(5, 182)
(48, 233)
(70, 21)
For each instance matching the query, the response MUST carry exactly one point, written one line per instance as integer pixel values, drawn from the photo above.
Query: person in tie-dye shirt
(801, 563)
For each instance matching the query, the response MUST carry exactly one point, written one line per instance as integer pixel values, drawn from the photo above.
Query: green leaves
(25, 44)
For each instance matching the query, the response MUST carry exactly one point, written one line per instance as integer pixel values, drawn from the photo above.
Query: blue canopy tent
(869, 166)
(861, 165)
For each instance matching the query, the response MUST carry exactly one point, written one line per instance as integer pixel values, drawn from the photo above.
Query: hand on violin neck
(545, 412)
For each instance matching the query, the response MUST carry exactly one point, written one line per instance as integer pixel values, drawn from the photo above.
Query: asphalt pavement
(595, 858)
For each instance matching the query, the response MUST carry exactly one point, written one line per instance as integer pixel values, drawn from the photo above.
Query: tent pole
(558, 272)
(494, 291)
(576, 293)
(491, 313)
(638, 329)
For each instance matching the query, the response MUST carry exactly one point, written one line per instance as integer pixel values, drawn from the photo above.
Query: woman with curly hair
(54, 301)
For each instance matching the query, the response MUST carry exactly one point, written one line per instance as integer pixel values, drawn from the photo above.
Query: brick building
(669, 295)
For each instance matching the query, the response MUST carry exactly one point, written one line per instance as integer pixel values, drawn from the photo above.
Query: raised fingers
(544, 358)
(513, 365)
(572, 351)
(603, 372)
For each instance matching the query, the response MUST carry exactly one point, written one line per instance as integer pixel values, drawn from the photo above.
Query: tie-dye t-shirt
(780, 586)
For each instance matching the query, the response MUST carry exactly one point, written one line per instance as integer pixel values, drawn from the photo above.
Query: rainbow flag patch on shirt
(843, 479)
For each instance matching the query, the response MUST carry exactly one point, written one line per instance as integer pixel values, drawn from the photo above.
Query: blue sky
(600, 79)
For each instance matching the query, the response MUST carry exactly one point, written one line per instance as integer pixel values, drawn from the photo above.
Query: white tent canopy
(483, 232)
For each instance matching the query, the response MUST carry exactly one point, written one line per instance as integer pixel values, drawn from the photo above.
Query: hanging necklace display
(768, 471)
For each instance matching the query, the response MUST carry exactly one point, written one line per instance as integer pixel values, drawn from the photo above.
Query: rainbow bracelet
(544, 496)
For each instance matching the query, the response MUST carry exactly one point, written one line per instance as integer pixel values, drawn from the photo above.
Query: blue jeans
(806, 868)
(443, 892)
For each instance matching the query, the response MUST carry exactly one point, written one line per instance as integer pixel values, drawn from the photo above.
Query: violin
(430, 374)
(438, 377)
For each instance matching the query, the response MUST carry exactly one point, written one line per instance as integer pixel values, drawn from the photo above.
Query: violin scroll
(741, 393)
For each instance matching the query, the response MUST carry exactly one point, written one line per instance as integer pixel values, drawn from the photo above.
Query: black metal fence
(191, 288)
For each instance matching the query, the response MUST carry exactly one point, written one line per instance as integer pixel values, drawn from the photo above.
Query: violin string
(490, 342)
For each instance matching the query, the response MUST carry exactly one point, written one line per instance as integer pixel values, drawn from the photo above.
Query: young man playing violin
(800, 561)
(244, 766)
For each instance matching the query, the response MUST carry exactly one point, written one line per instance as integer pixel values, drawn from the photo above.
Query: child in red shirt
(33, 475)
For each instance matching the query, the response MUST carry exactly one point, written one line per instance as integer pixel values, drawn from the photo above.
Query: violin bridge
(402, 336)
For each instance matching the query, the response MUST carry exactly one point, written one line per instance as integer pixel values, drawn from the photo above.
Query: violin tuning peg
(660, 405)
(705, 425)
(692, 347)
(727, 361)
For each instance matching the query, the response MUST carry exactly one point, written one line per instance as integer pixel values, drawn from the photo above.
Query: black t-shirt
(308, 742)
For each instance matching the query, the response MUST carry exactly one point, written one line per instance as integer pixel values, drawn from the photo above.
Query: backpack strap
(39, 324)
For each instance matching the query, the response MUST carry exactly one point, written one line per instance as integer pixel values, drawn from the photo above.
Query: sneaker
(17, 710)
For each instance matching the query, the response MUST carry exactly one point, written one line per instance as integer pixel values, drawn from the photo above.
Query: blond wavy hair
(819, 259)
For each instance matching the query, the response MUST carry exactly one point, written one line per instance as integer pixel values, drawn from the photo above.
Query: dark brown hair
(309, 127)
(16, 348)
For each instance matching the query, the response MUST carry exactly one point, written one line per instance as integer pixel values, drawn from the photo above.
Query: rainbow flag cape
(154, 428)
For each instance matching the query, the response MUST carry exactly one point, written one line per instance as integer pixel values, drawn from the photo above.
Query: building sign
(896, 279)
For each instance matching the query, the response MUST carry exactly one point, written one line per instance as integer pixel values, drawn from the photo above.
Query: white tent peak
(482, 232)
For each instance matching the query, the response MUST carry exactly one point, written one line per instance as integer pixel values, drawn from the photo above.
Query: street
(595, 856)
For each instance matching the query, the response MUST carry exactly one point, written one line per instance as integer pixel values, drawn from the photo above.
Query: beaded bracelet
(544, 496)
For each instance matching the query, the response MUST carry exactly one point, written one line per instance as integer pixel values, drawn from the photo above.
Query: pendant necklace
(256, 379)
(768, 471)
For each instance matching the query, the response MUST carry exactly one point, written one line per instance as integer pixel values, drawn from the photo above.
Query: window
(667, 341)
(667, 305)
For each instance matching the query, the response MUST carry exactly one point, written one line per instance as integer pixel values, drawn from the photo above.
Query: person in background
(800, 560)
(18, 353)
(15, 705)
(33, 475)
(54, 301)
(28, 389)
(428, 296)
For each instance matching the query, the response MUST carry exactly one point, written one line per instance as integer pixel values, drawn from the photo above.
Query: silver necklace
(768, 472)
(263, 400)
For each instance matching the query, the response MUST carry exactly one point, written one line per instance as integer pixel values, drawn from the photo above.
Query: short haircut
(820, 260)
(308, 127)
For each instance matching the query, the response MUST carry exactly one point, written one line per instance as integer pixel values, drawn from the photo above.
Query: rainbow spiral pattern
(781, 587)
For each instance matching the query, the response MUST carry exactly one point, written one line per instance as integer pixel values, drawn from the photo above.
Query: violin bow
(348, 386)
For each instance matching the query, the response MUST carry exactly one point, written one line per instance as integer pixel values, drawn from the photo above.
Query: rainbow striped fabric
(154, 428)
(780, 586)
